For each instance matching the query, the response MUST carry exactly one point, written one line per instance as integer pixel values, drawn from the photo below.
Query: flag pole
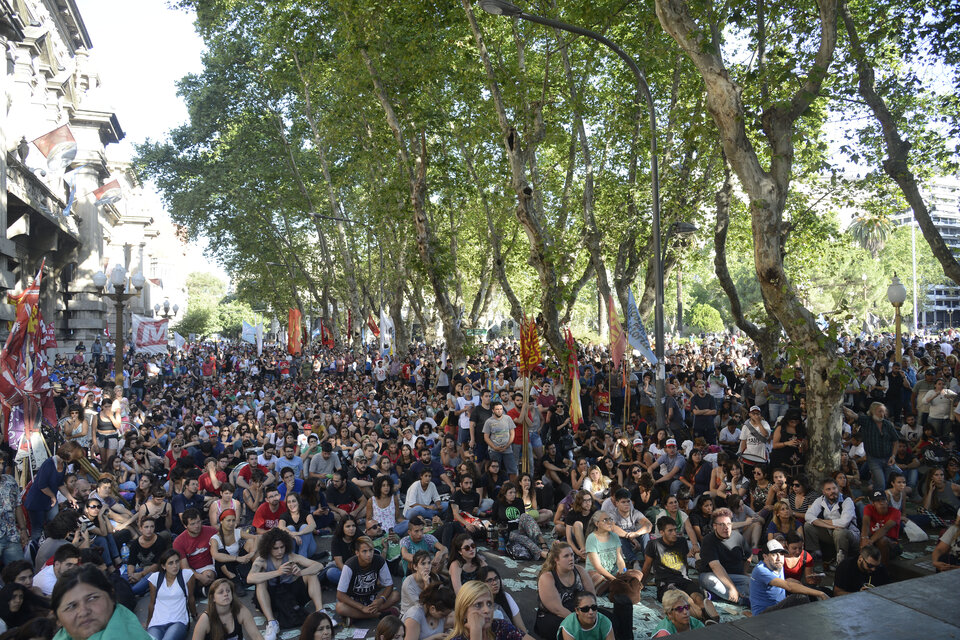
(626, 394)
(525, 447)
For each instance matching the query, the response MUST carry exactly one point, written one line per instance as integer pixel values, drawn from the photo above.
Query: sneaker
(271, 631)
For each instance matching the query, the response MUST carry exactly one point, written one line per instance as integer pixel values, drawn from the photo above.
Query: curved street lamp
(897, 294)
(504, 8)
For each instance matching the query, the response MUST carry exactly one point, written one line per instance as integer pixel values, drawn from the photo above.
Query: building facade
(48, 81)
(942, 196)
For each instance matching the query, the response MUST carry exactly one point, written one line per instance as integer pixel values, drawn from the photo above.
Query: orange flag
(294, 334)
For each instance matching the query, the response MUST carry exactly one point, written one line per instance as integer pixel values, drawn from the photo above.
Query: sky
(141, 48)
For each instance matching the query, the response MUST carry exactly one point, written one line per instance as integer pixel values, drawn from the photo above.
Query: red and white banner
(59, 148)
(149, 335)
(108, 194)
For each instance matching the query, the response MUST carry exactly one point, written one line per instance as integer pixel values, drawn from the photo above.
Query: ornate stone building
(48, 81)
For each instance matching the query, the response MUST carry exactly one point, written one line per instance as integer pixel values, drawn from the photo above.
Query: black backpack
(180, 581)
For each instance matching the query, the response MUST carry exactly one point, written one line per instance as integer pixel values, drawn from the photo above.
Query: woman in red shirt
(798, 563)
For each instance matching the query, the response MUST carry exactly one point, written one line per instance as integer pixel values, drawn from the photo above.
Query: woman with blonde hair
(473, 616)
(676, 608)
(558, 583)
(597, 484)
(604, 554)
(782, 521)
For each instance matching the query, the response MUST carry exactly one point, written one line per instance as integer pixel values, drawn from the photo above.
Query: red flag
(326, 336)
(373, 325)
(49, 339)
(294, 335)
(529, 346)
(573, 372)
(59, 148)
(108, 193)
(618, 339)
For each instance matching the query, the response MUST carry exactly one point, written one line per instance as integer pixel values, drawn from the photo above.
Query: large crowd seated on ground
(246, 496)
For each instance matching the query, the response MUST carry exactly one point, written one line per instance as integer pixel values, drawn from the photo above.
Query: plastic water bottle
(501, 540)
(125, 556)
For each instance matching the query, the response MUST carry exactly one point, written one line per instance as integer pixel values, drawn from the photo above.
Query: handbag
(913, 531)
(629, 584)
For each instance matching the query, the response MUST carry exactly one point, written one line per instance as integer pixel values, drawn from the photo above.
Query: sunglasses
(684, 608)
(93, 506)
(469, 547)
(590, 607)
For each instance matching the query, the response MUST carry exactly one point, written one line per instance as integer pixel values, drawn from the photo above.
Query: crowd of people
(213, 471)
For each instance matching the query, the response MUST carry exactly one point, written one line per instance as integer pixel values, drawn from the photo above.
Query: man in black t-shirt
(145, 551)
(343, 497)
(860, 572)
(723, 557)
(667, 556)
(362, 476)
(704, 408)
(463, 514)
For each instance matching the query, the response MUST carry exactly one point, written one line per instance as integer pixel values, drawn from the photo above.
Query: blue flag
(636, 335)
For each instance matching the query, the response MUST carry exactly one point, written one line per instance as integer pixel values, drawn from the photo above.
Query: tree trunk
(529, 209)
(898, 151)
(416, 171)
(766, 337)
(767, 192)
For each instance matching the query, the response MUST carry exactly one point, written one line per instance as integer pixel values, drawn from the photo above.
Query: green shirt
(607, 551)
(123, 625)
(665, 625)
(599, 631)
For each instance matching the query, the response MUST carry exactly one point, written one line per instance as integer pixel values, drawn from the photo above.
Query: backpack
(518, 552)
(179, 581)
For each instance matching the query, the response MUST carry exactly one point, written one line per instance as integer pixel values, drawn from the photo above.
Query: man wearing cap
(704, 409)
(672, 466)
(768, 587)
(881, 526)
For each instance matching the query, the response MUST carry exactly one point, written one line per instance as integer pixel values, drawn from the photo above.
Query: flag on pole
(373, 325)
(294, 333)
(529, 346)
(386, 330)
(59, 147)
(618, 340)
(248, 333)
(179, 340)
(326, 336)
(573, 372)
(108, 194)
(148, 334)
(635, 331)
(443, 359)
(259, 337)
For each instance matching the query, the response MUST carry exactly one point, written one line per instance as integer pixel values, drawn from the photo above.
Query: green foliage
(704, 318)
(210, 310)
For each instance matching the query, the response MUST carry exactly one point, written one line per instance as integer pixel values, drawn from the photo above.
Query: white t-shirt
(45, 580)
(171, 605)
(462, 403)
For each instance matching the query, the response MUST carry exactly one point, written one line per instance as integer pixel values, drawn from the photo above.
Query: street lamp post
(166, 315)
(121, 293)
(504, 8)
(681, 230)
(896, 294)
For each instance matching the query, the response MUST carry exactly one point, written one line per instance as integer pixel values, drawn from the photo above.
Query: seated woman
(604, 554)
(783, 521)
(317, 626)
(299, 522)
(521, 528)
(586, 622)
(420, 576)
(426, 620)
(798, 562)
(87, 589)
(700, 516)
(597, 484)
(504, 605)
(226, 501)
(559, 581)
(389, 628)
(232, 550)
(676, 608)
(473, 616)
(384, 506)
(465, 561)
(226, 618)
(576, 519)
(528, 494)
(171, 599)
(18, 604)
(341, 549)
(100, 530)
(366, 588)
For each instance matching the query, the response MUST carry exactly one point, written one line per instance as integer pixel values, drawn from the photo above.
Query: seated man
(417, 540)
(365, 589)
(120, 517)
(881, 527)
(344, 497)
(831, 518)
(289, 482)
(859, 573)
(145, 551)
(268, 514)
(629, 524)
(193, 545)
(65, 557)
(189, 500)
(768, 587)
(723, 560)
(667, 557)
(423, 499)
(284, 581)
